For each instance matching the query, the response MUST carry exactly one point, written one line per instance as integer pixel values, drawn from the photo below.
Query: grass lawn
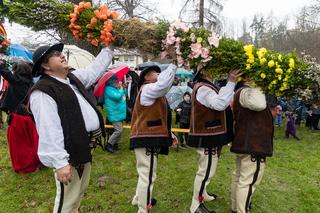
(291, 182)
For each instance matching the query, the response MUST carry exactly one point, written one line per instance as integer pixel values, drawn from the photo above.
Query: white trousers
(245, 179)
(68, 197)
(146, 168)
(207, 166)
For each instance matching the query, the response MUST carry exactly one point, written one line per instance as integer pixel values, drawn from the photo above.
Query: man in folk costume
(150, 130)
(67, 120)
(253, 142)
(211, 127)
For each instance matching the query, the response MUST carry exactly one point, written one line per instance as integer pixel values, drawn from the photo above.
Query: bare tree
(203, 13)
(133, 8)
(246, 37)
(258, 27)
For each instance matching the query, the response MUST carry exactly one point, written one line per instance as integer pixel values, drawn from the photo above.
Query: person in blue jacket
(116, 110)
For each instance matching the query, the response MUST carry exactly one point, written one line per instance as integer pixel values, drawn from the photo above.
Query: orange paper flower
(95, 25)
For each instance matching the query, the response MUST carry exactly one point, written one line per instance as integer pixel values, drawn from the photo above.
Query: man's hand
(119, 85)
(64, 174)
(234, 75)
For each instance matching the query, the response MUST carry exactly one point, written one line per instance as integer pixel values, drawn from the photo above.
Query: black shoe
(185, 145)
(109, 148)
(182, 146)
(297, 138)
(213, 195)
(203, 209)
(153, 201)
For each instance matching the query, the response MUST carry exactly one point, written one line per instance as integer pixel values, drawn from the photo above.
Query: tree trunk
(201, 12)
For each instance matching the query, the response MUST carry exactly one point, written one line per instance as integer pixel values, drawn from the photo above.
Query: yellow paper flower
(280, 57)
(248, 67)
(248, 48)
(199, 40)
(279, 70)
(275, 81)
(285, 85)
(279, 77)
(289, 71)
(261, 52)
(271, 63)
(250, 59)
(263, 76)
(263, 61)
(291, 63)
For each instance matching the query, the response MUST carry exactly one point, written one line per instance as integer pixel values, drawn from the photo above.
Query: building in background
(130, 58)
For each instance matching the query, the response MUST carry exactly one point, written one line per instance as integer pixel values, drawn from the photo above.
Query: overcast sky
(238, 9)
(247, 8)
(235, 10)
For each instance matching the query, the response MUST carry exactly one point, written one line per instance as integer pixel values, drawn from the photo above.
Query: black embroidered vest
(76, 139)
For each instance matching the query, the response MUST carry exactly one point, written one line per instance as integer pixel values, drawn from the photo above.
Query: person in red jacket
(22, 133)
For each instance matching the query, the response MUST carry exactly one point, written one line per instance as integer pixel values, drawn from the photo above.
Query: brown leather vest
(253, 130)
(149, 121)
(205, 121)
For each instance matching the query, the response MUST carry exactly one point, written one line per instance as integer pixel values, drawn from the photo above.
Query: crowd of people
(61, 125)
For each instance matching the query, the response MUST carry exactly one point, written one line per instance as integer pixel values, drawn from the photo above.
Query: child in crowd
(291, 128)
(184, 110)
(278, 118)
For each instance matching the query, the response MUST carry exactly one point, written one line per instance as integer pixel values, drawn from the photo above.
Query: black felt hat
(145, 71)
(40, 54)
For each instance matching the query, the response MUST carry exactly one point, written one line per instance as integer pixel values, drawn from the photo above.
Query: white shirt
(253, 99)
(51, 149)
(210, 99)
(150, 92)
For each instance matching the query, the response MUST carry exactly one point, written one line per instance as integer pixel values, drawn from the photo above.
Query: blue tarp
(19, 51)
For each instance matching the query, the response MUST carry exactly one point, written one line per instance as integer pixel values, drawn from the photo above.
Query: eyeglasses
(54, 53)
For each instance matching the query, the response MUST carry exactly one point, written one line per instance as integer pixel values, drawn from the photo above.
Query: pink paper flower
(213, 40)
(204, 52)
(196, 50)
(180, 25)
(178, 41)
(170, 38)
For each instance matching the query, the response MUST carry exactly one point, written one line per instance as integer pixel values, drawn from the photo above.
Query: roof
(122, 51)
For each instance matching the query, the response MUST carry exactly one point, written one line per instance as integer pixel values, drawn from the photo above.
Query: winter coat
(115, 102)
(19, 84)
(185, 113)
